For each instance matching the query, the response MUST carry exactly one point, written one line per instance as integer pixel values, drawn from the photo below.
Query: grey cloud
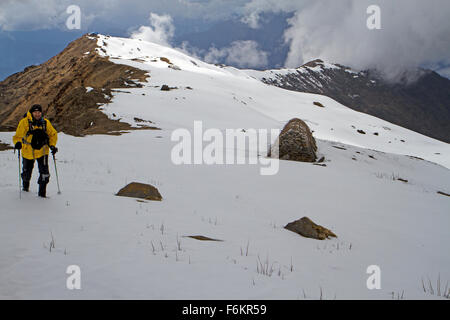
(414, 33)
(253, 9)
(45, 14)
(48, 14)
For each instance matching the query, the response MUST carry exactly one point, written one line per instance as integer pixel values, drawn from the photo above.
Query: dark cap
(36, 107)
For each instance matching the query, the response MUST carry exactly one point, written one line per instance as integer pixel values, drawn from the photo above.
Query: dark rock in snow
(306, 228)
(140, 190)
(5, 146)
(203, 238)
(318, 104)
(320, 164)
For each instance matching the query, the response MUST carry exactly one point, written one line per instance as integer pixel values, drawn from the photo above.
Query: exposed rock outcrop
(305, 227)
(5, 146)
(140, 190)
(203, 238)
(295, 142)
(70, 87)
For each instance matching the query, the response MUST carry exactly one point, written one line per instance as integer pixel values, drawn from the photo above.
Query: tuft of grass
(265, 268)
(393, 176)
(246, 249)
(399, 297)
(437, 289)
(321, 294)
(52, 242)
(178, 243)
(153, 248)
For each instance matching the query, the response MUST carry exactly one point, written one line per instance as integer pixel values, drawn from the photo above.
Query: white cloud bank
(160, 31)
(414, 32)
(46, 14)
(243, 54)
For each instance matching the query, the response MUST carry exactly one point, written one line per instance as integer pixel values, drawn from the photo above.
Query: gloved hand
(18, 145)
(54, 149)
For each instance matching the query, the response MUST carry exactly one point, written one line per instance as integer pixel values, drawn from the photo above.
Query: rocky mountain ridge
(422, 105)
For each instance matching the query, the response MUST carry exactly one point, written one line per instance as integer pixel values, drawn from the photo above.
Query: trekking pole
(57, 180)
(20, 180)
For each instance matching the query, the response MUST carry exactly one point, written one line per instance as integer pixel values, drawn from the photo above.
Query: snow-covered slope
(129, 249)
(231, 98)
(317, 66)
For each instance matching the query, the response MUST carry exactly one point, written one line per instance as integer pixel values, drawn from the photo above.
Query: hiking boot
(42, 190)
(26, 186)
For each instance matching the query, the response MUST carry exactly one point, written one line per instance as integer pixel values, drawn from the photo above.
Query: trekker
(35, 135)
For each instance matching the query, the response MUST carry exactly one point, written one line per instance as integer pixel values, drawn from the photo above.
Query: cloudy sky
(246, 33)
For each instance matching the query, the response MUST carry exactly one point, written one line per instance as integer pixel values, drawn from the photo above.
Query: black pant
(44, 174)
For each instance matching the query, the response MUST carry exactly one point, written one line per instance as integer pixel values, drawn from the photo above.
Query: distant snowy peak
(421, 105)
(307, 74)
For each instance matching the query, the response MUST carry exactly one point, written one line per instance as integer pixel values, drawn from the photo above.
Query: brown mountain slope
(59, 85)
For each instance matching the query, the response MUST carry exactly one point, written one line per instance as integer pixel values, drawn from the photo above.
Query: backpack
(40, 137)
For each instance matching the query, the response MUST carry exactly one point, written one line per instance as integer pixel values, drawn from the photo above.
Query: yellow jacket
(21, 136)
